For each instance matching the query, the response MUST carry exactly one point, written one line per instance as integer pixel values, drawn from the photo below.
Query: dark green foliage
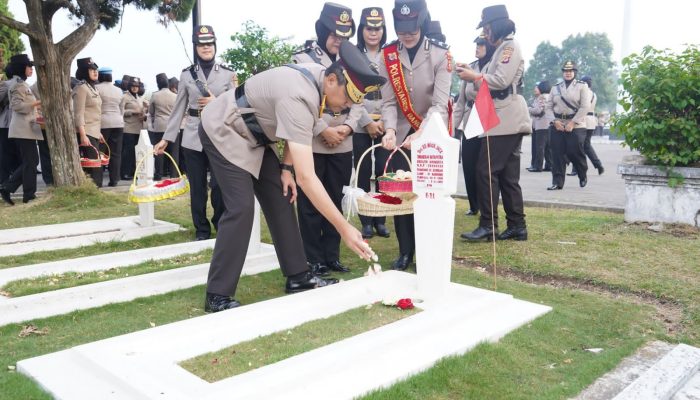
(661, 99)
(10, 42)
(111, 10)
(592, 53)
(254, 51)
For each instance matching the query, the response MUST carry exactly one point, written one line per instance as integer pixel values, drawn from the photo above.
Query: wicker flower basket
(104, 157)
(388, 184)
(87, 162)
(159, 190)
(370, 206)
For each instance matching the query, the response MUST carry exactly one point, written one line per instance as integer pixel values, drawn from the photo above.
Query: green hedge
(661, 100)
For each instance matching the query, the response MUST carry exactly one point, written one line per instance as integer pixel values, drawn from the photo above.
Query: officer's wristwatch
(287, 167)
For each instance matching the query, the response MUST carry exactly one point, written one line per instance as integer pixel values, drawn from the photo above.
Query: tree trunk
(57, 108)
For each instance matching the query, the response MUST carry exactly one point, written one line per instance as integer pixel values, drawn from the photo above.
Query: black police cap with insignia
(21, 60)
(492, 13)
(135, 81)
(361, 78)
(86, 63)
(338, 19)
(203, 34)
(409, 15)
(372, 17)
(569, 66)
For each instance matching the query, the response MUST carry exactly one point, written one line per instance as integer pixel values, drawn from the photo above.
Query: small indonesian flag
(483, 115)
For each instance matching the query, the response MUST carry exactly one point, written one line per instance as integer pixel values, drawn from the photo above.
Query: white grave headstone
(435, 158)
(144, 175)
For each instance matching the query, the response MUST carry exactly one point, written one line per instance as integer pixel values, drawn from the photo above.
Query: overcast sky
(143, 48)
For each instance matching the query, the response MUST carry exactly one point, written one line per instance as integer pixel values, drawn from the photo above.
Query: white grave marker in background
(435, 158)
(144, 175)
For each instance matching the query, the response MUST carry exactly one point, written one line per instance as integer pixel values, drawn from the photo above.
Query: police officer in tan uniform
(200, 83)
(500, 172)
(159, 110)
(426, 67)
(332, 147)
(112, 122)
(87, 113)
(238, 132)
(569, 100)
(135, 108)
(465, 101)
(9, 155)
(23, 129)
(542, 117)
(591, 123)
(371, 36)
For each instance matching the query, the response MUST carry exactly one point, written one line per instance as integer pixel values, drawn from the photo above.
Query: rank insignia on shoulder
(505, 56)
(439, 44)
(319, 51)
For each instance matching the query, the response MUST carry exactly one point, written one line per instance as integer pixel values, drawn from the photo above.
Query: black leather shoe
(402, 263)
(382, 230)
(600, 170)
(319, 269)
(127, 177)
(546, 169)
(6, 197)
(534, 169)
(112, 184)
(337, 266)
(471, 212)
(514, 233)
(309, 281)
(202, 237)
(28, 199)
(554, 187)
(572, 173)
(479, 234)
(367, 232)
(583, 182)
(217, 302)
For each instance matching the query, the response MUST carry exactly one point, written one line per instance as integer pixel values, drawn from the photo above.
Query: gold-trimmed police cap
(338, 19)
(569, 66)
(361, 78)
(203, 34)
(372, 17)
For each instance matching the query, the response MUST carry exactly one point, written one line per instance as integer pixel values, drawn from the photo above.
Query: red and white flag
(483, 114)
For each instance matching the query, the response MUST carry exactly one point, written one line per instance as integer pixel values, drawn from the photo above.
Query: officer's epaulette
(308, 46)
(390, 43)
(439, 43)
(227, 68)
(189, 68)
(580, 81)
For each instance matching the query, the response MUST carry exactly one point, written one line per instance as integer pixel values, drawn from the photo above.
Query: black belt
(250, 120)
(336, 114)
(564, 116)
(195, 112)
(590, 113)
(502, 94)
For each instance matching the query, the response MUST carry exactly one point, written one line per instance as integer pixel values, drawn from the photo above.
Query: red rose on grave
(404, 304)
(386, 199)
(166, 182)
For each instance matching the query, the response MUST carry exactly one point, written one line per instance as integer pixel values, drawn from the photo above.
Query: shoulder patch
(507, 53)
(439, 44)
(303, 50)
(227, 68)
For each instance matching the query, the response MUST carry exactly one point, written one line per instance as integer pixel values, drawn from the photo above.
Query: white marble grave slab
(77, 234)
(103, 262)
(143, 365)
(63, 301)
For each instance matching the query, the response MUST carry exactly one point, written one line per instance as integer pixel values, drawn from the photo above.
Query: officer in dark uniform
(570, 100)
(238, 132)
(499, 171)
(199, 84)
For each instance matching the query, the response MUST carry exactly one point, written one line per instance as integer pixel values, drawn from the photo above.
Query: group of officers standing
(330, 105)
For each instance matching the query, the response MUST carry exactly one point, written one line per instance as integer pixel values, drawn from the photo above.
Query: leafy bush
(661, 99)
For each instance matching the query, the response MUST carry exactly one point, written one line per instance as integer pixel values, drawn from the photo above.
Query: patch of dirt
(669, 312)
(675, 230)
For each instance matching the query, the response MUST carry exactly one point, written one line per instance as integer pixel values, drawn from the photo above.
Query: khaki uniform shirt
(578, 95)
(541, 112)
(314, 54)
(134, 110)
(160, 108)
(23, 123)
(591, 120)
(87, 109)
(465, 100)
(112, 107)
(220, 80)
(286, 105)
(372, 107)
(506, 70)
(5, 112)
(428, 80)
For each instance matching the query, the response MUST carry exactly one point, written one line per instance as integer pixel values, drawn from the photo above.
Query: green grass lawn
(543, 360)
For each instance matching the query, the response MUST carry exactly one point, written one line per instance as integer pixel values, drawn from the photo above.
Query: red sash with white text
(398, 82)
